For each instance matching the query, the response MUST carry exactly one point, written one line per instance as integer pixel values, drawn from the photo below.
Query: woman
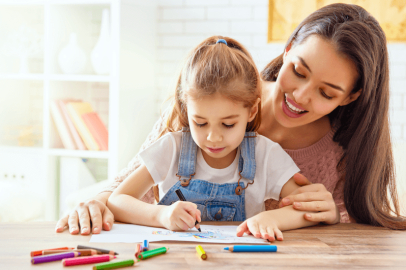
(325, 101)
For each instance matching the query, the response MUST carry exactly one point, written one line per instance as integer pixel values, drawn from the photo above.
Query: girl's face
(312, 82)
(218, 127)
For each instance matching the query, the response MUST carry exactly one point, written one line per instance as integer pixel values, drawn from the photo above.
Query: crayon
(83, 252)
(87, 260)
(201, 252)
(153, 252)
(99, 250)
(53, 257)
(182, 198)
(145, 246)
(39, 252)
(113, 265)
(252, 248)
(138, 250)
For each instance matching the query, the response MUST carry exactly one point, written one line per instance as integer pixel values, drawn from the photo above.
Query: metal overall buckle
(239, 189)
(184, 182)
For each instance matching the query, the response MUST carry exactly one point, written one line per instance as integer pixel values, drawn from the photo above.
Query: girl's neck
(289, 138)
(220, 163)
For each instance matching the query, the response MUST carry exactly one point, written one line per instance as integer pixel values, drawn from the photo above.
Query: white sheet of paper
(128, 233)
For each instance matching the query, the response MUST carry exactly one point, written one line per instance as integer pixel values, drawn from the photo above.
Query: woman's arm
(126, 206)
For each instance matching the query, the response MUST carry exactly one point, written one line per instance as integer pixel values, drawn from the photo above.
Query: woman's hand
(88, 215)
(180, 216)
(312, 198)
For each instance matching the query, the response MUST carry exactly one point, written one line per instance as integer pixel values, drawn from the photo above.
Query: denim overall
(216, 202)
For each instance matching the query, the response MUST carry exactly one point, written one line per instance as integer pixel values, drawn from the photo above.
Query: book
(76, 137)
(62, 127)
(75, 110)
(97, 129)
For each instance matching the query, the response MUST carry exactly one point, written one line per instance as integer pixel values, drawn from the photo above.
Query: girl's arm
(126, 206)
(269, 224)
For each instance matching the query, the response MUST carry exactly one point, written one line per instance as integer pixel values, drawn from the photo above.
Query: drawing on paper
(215, 234)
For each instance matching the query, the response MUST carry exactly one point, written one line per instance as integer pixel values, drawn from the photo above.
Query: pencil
(39, 252)
(182, 198)
(151, 253)
(99, 250)
(138, 250)
(87, 260)
(113, 265)
(253, 248)
(201, 252)
(54, 257)
(83, 252)
(145, 246)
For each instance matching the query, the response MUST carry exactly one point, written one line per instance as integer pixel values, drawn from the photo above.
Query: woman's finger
(305, 197)
(313, 206)
(61, 224)
(73, 222)
(301, 180)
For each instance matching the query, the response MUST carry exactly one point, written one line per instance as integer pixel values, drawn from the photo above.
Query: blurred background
(83, 82)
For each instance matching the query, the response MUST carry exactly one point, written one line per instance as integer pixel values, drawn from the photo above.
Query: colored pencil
(87, 260)
(182, 198)
(99, 250)
(252, 248)
(138, 250)
(201, 252)
(113, 265)
(153, 252)
(53, 257)
(83, 252)
(145, 246)
(39, 252)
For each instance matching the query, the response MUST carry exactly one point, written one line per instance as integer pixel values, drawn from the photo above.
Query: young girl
(212, 152)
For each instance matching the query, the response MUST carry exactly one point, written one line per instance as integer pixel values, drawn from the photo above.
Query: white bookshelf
(124, 99)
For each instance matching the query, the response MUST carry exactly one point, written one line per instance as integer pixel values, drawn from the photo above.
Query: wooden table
(341, 246)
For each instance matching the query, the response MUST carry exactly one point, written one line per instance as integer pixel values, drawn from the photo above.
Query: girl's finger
(61, 224)
(242, 228)
(264, 233)
(254, 229)
(300, 179)
(73, 222)
(188, 220)
(278, 234)
(96, 218)
(107, 219)
(271, 234)
(84, 220)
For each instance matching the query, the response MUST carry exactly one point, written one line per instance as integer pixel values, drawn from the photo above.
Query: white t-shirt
(274, 167)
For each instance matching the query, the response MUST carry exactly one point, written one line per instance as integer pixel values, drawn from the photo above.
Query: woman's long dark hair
(370, 194)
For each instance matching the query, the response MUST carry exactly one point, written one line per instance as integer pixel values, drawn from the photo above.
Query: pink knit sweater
(317, 162)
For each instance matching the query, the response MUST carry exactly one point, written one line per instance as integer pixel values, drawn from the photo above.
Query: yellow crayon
(201, 252)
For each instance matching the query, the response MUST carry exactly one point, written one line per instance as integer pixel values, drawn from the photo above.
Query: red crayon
(138, 250)
(39, 252)
(87, 260)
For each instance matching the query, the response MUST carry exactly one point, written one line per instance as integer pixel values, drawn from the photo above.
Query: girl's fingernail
(297, 204)
(95, 229)
(286, 200)
(84, 229)
(308, 215)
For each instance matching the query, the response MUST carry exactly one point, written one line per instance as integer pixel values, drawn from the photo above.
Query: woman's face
(312, 82)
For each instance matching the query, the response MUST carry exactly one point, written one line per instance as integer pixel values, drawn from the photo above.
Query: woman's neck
(289, 138)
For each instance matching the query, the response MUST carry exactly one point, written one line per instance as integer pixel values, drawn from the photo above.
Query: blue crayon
(253, 248)
(145, 246)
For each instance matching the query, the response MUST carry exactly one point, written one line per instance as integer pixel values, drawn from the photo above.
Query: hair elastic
(221, 41)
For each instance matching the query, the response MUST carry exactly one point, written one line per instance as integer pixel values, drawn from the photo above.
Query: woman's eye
(200, 125)
(325, 95)
(229, 126)
(297, 73)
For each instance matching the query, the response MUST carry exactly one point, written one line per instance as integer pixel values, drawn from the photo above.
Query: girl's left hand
(263, 225)
(312, 198)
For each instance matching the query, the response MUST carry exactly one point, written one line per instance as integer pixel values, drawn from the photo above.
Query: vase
(72, 59)
(100, 55)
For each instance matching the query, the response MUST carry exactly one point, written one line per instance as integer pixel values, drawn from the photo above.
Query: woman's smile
(291, 109)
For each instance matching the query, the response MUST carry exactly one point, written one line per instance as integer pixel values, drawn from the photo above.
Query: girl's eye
(200, 125)
(228, 126)
(297, 73)
(325, 95)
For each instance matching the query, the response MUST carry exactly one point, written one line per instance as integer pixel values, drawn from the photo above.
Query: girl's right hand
(180, 216)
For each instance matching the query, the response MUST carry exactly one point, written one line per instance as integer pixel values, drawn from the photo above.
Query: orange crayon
(39, 252)
(83, 252)
(87, 260)
(138, 250)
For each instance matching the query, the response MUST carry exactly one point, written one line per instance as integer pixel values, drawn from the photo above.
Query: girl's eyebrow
(227, 117)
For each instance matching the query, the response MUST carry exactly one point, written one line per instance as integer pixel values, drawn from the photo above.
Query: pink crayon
(87, 260)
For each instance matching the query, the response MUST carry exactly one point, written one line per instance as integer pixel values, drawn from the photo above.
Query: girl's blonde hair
(212, 68)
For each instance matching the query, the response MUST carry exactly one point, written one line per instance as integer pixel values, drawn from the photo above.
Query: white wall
(182, 24)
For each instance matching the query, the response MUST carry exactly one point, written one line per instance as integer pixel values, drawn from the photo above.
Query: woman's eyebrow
(334, 86)
(304, 63)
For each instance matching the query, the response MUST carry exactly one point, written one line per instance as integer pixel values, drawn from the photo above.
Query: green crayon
(113, 265)
(151, 253)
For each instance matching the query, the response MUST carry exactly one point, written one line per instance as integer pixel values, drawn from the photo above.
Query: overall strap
(246, 162)
(187, 158)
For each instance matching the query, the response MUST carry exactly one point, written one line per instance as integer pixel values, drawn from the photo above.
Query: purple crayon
(54, 257)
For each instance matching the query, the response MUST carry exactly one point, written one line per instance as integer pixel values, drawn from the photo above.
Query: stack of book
(79, 126)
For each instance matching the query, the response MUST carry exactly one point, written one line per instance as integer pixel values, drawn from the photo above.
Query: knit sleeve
(338, 195)
(136, 162)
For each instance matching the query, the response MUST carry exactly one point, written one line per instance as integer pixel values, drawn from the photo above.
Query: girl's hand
(312, 198)
(93, 212)
(264, 225)
(180, 216)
